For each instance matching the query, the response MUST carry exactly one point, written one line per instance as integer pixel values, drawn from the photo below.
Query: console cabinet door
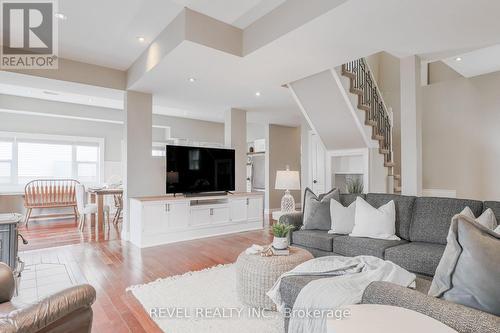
(254, 209)
(200, 216)
(154, 219)
(239, 210)
(178, 215)
(220, 215)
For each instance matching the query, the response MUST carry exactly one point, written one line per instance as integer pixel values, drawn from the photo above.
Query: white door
(317, 174)
(178, 215)
(238, 210)
(201, 216)
(155, 219)
(220, 214)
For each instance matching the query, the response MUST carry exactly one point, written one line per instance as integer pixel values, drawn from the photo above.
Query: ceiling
(60, 91)
(105, 33)
(225, 81)
(478, 62)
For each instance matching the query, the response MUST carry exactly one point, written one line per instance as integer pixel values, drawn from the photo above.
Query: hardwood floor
(42, 234)
(112, 265)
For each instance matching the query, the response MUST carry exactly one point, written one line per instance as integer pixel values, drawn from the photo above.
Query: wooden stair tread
(364, 107)
(348, 74)
(356, 91)
(368, 122)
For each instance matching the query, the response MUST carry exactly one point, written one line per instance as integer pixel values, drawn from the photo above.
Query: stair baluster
(371, 101)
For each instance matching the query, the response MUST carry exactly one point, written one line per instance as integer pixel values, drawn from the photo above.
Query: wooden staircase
(362, 84)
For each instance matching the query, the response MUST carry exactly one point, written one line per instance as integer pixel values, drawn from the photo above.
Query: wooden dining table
(97, 197)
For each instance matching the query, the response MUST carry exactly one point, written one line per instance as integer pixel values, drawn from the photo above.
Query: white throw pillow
(376, 223)
(487, 218)
(497, 230)
(342, 217)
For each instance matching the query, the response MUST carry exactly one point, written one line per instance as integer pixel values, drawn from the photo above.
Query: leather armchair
(69, 310)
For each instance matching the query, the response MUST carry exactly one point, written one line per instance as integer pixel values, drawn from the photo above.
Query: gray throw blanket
(350, 277)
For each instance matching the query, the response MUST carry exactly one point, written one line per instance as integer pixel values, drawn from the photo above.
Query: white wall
(461, 131)
(411, 126)
(235, 137)
(438, 71)
(284, 149)
(378, 172)
(61, 123)
(255, 131)
(66, 119)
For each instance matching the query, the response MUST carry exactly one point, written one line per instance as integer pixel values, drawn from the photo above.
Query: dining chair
(118, 199)
(84, 208)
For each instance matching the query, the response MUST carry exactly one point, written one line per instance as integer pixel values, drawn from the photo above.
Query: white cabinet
(200, 216)
(177, 215)
(239, 210)
(165, 219)
(255, 209)
(209, 215)
(220, 214)
(162, 217)
(155, 219)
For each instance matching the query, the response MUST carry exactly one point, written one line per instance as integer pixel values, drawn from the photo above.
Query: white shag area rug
(203, 301)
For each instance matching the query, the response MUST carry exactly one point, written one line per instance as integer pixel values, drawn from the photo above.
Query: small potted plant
(280, 232)
(354, 186)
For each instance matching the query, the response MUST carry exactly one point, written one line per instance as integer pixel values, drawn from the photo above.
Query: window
(43, 160)
(5, 161)
(24, 157)
(87, 165)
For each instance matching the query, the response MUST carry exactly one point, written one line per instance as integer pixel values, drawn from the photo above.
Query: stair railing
(371, 98)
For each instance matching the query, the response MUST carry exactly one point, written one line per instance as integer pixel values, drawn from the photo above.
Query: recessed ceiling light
(141, 39)
(91, 100)
(192, 79)
(458, 59)
(257, 94)
(60, 16)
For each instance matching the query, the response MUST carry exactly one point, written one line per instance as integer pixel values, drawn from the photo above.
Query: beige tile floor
(43, 277)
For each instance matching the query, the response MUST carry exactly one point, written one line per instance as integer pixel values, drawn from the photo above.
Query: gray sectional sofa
(422, 223)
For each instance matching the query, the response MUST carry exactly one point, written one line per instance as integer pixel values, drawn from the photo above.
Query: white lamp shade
(287, 180)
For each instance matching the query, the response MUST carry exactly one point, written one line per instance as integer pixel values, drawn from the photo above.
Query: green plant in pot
(354, 186)
(280, 232)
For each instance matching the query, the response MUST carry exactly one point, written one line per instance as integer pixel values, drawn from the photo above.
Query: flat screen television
(199, 169)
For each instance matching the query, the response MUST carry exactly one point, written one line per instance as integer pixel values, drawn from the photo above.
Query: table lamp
(287, 180)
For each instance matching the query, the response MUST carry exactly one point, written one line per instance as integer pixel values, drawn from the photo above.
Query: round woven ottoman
(255, 275)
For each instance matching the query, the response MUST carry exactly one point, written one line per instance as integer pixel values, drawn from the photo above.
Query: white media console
(168, 219)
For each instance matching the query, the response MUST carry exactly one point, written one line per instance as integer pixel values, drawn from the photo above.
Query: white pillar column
(137, 162)
(235, 136)
(411, 126)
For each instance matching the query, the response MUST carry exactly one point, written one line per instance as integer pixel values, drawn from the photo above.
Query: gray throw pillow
(469, 270)
(317, 209)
